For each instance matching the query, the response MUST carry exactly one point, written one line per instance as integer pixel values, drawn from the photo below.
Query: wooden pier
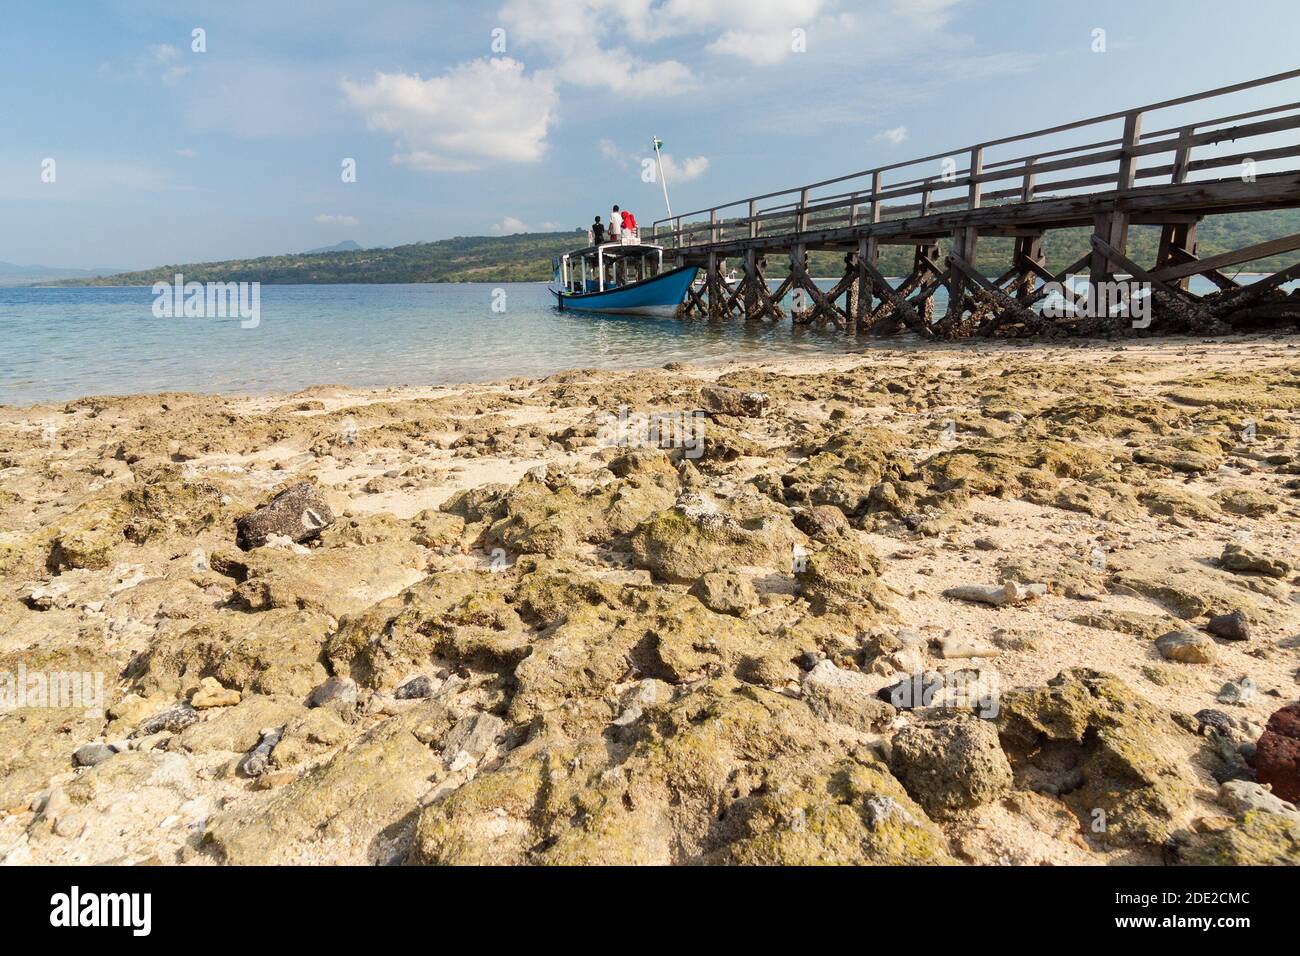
(1158, 165)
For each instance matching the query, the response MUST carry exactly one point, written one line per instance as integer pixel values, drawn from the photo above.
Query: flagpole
(662, 182)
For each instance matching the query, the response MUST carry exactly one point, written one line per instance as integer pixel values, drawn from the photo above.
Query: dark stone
(1230, 627)
(338, 693)
(1233, 771)
(259, 758)
(87, 755)
(298, 513)
(1277, 755)
(809, 659)
(171, 721)
(1210, 719)
(417, 688)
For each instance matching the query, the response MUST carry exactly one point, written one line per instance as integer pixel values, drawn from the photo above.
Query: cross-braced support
(1014, 303)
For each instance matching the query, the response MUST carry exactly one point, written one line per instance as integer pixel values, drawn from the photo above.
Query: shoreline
(904, 343)
(567, 608)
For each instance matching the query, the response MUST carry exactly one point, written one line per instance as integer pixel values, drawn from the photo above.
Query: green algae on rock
(1088, 737)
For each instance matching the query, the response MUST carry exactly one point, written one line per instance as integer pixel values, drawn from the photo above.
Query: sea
(61, 343)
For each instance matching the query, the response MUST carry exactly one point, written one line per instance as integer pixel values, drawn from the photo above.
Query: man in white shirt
(615, 226)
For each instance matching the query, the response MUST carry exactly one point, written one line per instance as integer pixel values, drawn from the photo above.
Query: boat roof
(617, 249)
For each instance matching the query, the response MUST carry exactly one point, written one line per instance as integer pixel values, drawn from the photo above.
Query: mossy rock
(698, 535)
(1190, 454)
(1247, 502)
(35, 744)
(844, 573)
(1242, 393)
(1146, 626)
(1175, 502)
(1088, 735)
(274, 652)
(1257, 839)
(458, 617)
(722, 773)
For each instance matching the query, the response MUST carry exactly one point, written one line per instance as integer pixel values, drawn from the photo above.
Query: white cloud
(329, 219)
(572, 35)
(511, 226)
(492, 111)
(186, 153)
(483, 111)
(578, 35)
(757, 47)
(769, 32)
(587, 41)
(622, 73)
(164, 52)
(693, 167)
(893, 136)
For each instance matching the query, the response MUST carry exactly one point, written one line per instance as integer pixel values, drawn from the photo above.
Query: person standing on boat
(597, 232)
(629, 223)
(615, 235)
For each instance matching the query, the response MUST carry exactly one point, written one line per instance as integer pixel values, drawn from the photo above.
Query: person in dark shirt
(597, 232)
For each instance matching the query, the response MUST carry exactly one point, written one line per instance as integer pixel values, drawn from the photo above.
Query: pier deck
(941, 205)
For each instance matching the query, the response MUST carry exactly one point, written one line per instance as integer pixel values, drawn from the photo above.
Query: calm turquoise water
(57, 344)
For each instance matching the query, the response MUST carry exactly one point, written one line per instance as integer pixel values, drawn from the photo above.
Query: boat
(731, 279)
(622, 276)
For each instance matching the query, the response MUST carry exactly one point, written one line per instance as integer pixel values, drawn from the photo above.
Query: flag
(658, 143)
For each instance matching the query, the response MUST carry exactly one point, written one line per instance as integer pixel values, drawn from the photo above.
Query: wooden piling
(1148, 178)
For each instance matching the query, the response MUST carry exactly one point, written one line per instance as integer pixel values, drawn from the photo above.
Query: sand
(117, 548)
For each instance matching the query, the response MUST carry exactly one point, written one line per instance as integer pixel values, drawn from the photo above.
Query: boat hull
(657, 296)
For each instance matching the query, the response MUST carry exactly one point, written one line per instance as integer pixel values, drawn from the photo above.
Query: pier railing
(1048, 166)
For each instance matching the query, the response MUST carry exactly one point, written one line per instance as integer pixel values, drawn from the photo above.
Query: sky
(145, 132)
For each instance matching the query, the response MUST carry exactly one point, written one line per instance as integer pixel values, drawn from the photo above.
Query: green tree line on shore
(527, 257)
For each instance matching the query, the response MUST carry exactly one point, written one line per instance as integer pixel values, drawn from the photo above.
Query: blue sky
(167, 155)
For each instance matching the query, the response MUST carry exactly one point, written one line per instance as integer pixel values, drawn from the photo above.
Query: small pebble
(417, 688)
(88, 755)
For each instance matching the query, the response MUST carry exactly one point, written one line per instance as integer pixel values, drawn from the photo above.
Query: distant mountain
(347, 245)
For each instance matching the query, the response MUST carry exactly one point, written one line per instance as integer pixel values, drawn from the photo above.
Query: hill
(526, 257)
(347, 245)
(522, 257)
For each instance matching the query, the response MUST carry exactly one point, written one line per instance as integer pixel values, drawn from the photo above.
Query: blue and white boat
(620, 277)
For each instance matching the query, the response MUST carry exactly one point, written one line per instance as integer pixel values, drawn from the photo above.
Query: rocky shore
(976, 604)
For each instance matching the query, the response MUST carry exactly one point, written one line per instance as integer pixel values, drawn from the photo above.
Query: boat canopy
(608, 265)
